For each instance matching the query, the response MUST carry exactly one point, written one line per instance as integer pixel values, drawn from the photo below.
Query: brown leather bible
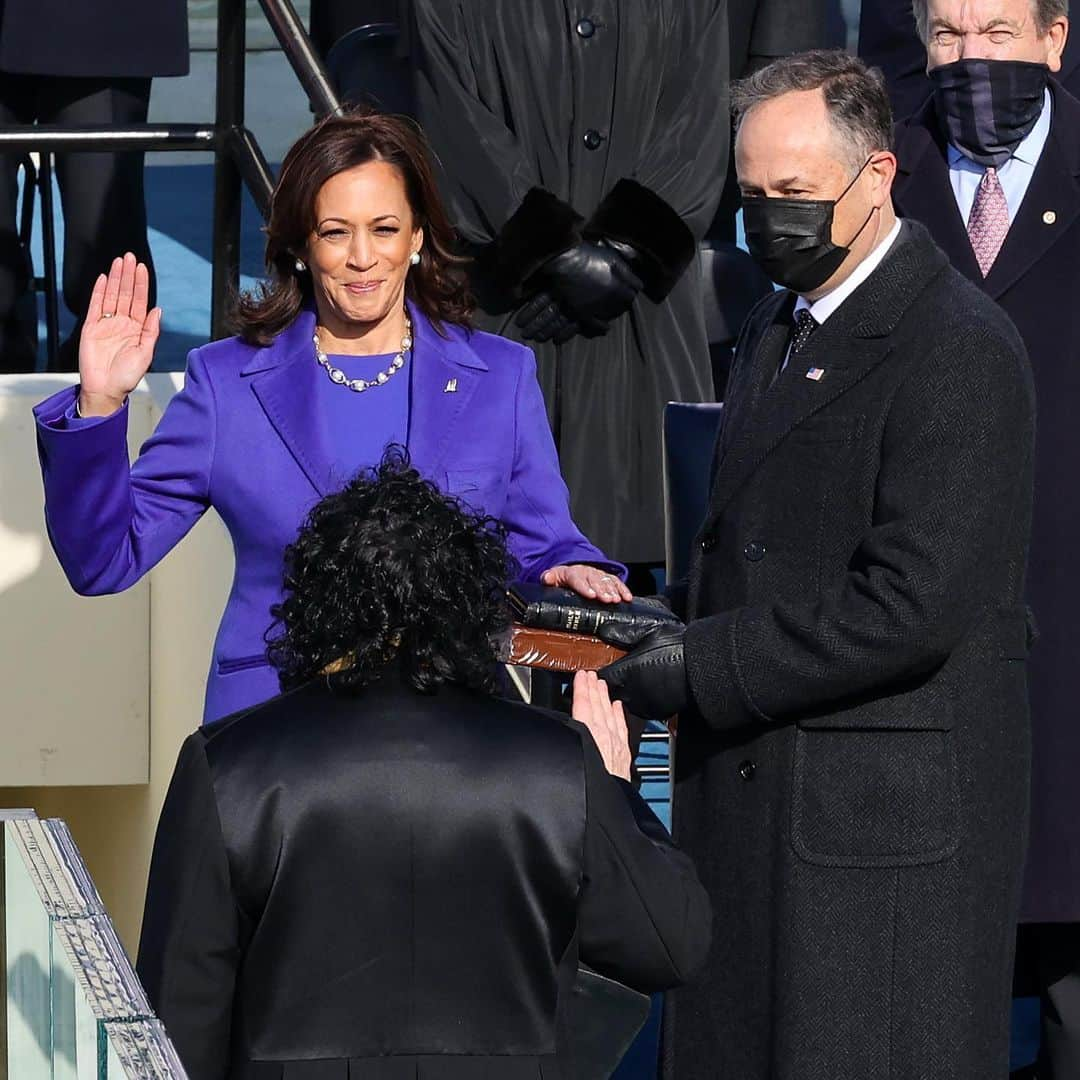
(559, 650)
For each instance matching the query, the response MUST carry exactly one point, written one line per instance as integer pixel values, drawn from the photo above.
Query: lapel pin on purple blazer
(815, 373)
(450, 387)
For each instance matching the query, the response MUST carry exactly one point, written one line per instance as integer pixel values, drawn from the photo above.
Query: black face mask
(791, 239)
(988, 107)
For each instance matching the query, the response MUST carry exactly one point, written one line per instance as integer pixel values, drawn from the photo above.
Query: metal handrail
(238, 160)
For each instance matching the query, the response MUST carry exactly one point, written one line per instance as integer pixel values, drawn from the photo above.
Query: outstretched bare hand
(604, 718)
(118, 338)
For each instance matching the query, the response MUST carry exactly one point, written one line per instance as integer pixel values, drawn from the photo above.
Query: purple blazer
(241, 436)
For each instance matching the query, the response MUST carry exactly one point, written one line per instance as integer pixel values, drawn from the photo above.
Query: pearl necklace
(360, 385)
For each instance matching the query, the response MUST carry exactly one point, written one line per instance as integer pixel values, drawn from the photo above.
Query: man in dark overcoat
(583, 156)
(1035, 278)
(86, 63)
(851, 768)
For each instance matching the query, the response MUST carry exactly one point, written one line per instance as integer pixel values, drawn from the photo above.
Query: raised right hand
(117, 343)
(604, 718)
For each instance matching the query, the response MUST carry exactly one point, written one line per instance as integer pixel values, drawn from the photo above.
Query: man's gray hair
(1046, 12)
(855, 96)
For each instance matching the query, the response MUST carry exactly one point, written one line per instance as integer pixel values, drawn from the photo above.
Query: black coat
(1036, 279)
(548, 126)
(401, 885)
(94, 38)
(853, 780)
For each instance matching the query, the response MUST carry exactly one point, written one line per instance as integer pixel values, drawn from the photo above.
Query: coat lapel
(744, 398)
(923, 191)
(849, 346)
(283, 380)
(445, 376)
(1051, 203)
(793, 399)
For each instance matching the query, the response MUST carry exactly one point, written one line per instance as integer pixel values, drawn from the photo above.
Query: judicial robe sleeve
(190, 946)
(643, 916)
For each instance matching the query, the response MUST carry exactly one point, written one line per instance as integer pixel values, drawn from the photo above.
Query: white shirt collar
(827, 305)
(1030, 148)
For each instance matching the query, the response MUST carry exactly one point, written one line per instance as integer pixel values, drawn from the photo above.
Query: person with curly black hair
(377, 575)
(388, 871)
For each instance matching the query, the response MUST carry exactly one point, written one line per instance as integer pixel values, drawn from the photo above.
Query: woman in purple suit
(360, 338)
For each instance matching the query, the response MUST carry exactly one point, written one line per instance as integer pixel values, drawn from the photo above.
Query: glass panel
(72, 1006)
(28, 965)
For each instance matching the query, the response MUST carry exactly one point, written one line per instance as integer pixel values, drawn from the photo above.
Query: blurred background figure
(85, 63)
(990, 166)
(407, 888)
(583, 159)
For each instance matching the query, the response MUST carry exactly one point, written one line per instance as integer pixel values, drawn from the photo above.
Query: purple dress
(248, 435)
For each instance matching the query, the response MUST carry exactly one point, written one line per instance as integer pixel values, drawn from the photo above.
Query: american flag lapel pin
(450, 387)
(815, 374)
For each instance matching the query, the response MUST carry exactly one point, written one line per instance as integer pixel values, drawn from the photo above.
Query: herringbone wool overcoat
(853, 780)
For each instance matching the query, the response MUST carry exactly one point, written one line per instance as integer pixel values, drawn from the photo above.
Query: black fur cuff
(539, 229)
(634, 215)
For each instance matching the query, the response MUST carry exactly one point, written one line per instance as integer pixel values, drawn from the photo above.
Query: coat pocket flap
(923, 707)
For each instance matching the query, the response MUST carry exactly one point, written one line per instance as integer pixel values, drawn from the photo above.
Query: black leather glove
(630, 634)
(590, 284)
(651, 681)
(543, 318)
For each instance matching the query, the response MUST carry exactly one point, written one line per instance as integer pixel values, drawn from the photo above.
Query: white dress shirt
(1015, 175)
(827, 305)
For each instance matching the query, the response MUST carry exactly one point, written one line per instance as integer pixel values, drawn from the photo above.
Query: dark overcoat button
(747, 770)
(586, 28)
(593, 139)
(754, 551)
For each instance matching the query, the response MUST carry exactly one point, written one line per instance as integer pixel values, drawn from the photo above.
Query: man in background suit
(851, 763)
(1002, 198)
(80, 63)
(889, 40)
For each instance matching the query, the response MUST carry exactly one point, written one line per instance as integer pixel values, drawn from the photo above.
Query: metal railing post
(48, 246)
(237, 157)
(229, 116)
(296, 45)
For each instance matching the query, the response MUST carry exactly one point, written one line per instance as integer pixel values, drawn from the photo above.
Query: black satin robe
(618, 112)
(401, 886)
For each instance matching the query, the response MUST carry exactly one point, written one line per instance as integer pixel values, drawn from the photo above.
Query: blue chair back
(690, 434)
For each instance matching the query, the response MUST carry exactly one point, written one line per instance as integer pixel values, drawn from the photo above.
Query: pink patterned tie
(989, 222)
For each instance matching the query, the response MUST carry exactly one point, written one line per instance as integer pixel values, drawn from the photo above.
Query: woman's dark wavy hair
(437, 285)
(392, 568)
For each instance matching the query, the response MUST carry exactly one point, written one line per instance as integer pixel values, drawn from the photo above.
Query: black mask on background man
(791, 239)
(988, 107)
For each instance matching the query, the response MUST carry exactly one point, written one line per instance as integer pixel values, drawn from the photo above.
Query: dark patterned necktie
(805, 325)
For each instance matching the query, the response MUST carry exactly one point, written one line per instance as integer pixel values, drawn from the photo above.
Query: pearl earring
(300, 267)
(414, 258)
